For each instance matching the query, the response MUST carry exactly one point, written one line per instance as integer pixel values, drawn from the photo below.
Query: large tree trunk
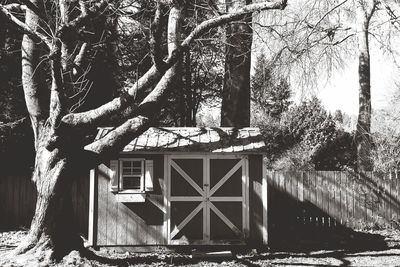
(52, 234)
(59, 135)
(235, 110)
(36, 97)
(363, 131)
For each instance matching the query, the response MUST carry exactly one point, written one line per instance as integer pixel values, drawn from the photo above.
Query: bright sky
(341, 92)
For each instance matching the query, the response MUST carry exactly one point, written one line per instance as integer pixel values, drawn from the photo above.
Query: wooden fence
(18, 200)
(297, 200)
(334, 199)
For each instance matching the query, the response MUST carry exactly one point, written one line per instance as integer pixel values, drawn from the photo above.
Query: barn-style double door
(207, 199)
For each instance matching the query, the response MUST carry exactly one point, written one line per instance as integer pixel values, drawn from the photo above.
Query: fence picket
(322, 199)
(18, 201)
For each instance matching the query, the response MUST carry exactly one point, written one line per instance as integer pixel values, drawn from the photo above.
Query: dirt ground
(387, 255)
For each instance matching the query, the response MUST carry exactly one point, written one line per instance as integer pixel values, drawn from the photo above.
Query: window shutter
(148, 176)
(113, 175)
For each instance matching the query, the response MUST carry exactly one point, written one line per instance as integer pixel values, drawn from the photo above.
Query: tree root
(42, 252)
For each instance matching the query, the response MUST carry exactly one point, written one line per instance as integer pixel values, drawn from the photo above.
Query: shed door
(207, 199)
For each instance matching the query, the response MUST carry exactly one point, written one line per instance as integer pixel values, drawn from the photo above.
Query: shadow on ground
(326, 249)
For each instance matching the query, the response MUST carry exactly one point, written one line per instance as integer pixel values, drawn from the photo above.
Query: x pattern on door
(206, 196)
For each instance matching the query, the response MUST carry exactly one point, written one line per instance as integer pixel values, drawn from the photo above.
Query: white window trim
(120, 178)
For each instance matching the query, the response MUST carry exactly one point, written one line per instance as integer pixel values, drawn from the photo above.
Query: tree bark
(32, 80)
(235, 110)
(52, 234)
(365, 10)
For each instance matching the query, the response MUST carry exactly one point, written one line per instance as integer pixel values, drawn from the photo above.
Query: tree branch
(119, 104)
(24, 27)
(15, 7)
(34, 8)
(34, 87)
(122, 135)
(155, 41)
(71, 28)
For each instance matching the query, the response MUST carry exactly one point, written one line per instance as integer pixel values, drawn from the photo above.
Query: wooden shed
(181, 186)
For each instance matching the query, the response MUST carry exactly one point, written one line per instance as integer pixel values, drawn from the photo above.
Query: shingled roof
(192, 139)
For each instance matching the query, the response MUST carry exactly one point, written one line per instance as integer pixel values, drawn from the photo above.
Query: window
(131, 175)
(130, 178)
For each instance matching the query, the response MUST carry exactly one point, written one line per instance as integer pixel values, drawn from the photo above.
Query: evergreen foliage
(270, 92)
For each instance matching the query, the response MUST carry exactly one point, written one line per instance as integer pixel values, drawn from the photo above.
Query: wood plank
(325, 197)
(16, 200)
(2, 200)
(19, 195)
(397, 194)
(306, 196)
(358, 202)
(319, 200)
(121, 223)
(282, 182)
(290, 216)
(344, 198)
(300, 186)
(24, 200)
(331, 198)
(393, 194)
(350, 199)
(294, 182)
(370, 220)
(131, 228)
(361, 203)
(166, 195)
(387, 192)
(92, 199)
(338, 204)
(313, 196)
(102, 208)
(264, 194)
(112, 218)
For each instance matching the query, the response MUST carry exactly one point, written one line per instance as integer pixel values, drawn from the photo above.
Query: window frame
(121, 176)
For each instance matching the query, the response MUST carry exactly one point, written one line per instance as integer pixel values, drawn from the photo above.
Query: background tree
(365, 10)
(235, 109)
(60, 134)
(269, 91)
(314, 38)
(312, 140)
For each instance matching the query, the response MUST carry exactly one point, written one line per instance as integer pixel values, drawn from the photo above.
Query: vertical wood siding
(312, 199)
(18, 200)
(333, 199)
(127, 224)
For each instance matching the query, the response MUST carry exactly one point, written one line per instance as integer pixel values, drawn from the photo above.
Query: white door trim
(206, 196)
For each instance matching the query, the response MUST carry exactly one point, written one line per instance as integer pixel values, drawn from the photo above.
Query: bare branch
(57, 98)
(24, 28)
(34, 8)
(119, 104)
(15, 7)
(78, 61)
(72, 27)
(119, 137)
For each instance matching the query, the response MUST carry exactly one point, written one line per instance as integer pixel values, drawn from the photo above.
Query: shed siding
(255, 198)
(138, 224)
(127, 224)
